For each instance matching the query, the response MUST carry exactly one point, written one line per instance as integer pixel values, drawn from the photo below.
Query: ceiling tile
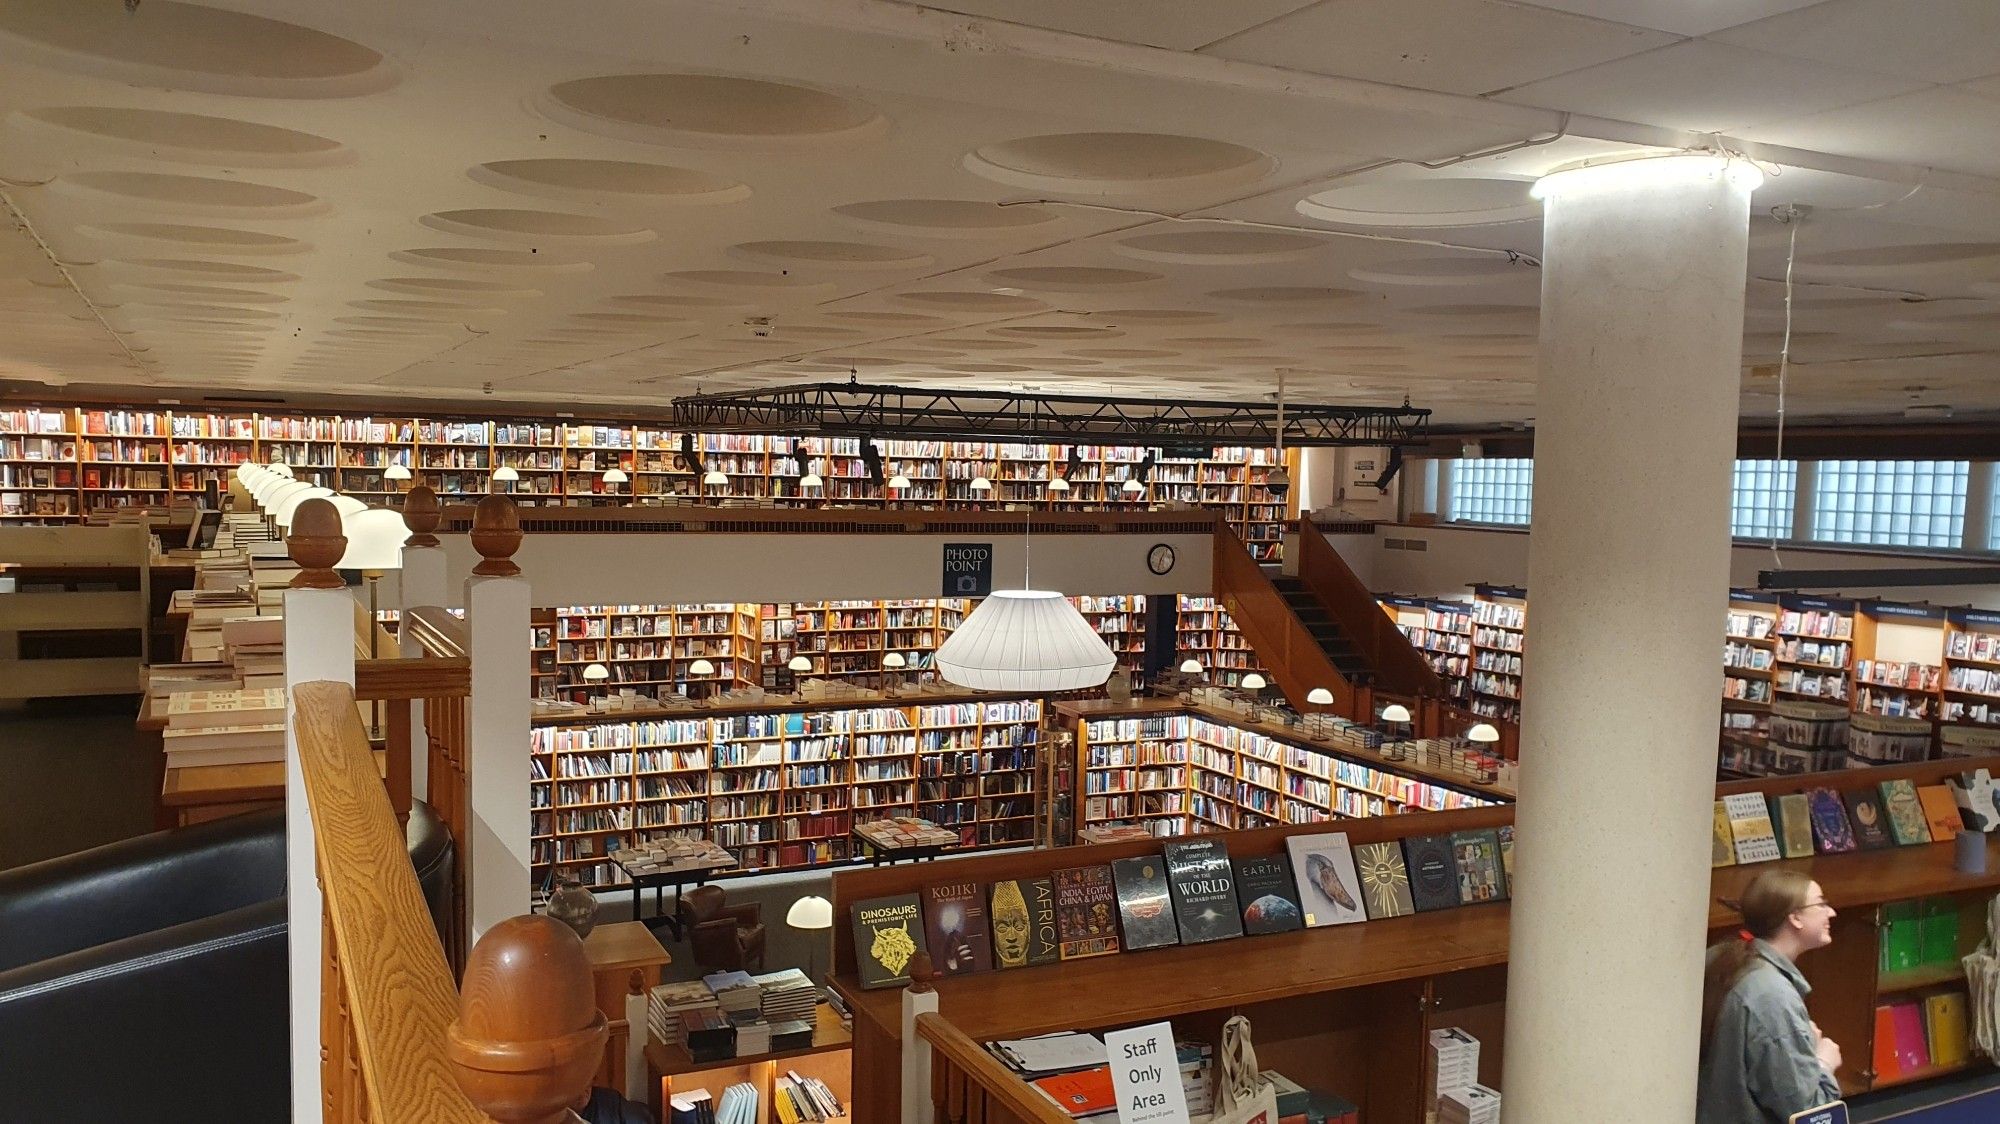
(1935, 127)
(1936, 40)
(1459, 46)
(1182, 25)
(1677, 16)
(1707, 87)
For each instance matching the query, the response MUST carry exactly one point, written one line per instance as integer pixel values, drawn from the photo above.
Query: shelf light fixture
(397, 471)
(615, 475)
(1191, 666)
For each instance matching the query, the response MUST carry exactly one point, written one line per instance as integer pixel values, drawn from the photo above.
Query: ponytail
(1769, 899)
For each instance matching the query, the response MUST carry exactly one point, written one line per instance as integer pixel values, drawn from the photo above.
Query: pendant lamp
(1029, 641)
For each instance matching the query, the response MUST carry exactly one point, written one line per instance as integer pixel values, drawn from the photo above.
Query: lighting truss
(853, 409)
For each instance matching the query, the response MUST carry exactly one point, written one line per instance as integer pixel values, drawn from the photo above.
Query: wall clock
(1160, 559)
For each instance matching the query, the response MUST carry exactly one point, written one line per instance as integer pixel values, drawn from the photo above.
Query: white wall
(1455, 557)
(599, 569)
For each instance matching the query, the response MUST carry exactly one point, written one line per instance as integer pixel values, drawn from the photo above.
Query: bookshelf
(1972, 668)
(1499, 640)
(1441, 631)
(1749, 653)
(1899, 660)
(650, 649)
(1815, 644)
(779, 786)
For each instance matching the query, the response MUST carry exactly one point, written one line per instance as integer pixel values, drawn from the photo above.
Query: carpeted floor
(1956, 1100)
(74, 778)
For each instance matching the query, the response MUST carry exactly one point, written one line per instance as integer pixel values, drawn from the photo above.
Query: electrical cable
(1793, 218)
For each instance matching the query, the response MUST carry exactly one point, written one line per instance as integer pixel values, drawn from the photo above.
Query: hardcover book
(1833, 834)
(955, 928)
(1433, 876)
(1871, 824)
(1792, 817)
(1940, 812)
(1750, 826)
(208, 710)
(1974, 794)
(1905, 813)
(1476, 855)
(888, 934)
(1270, 898)
(1145, 905)
(1023, 912)
(1329, 890)
(1204, 890)
(1506, 833)
(1385, 881)
(1086, 912)
(1722, 845)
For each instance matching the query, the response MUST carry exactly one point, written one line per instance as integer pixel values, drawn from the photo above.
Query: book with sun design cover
(1204, 890)
(888, 934)
(1329, 890)
(1385, 882)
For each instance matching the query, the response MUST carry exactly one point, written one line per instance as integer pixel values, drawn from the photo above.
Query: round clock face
(1160, 559)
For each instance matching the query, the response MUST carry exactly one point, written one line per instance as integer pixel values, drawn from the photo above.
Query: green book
(1902, 936)
(1792, 819)
(1939, 928)
(1904, 812)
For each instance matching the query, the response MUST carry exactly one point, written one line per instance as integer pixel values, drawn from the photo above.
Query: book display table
(675, 862)
(669, 1070)
(894, 839)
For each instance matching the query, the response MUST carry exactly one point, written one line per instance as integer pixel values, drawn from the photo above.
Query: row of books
(1751, 828)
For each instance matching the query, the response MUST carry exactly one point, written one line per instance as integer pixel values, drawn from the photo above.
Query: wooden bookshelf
(1972, 668)
(651, 650)
(779, 785)
(1441, 632)
(1499, 641)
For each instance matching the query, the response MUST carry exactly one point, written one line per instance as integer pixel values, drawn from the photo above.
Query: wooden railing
(1399, 668)
(1292, 655)
(447, 747)
(969, 1086)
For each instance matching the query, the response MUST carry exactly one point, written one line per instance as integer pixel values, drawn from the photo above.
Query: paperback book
(1385, 881)
(1476, 855)
(1833, 834)
(1940, 812)
(1905, 813)
(1871, 824)
(1270, 898)
(1145, 905)
(888, 934)
(1433, 876)
(1329, 890)
(1722, 844)
(1792, 817)
(1204, 890)
(1750, 827)
(1023, 912)
(955, 928)
(1086, 912)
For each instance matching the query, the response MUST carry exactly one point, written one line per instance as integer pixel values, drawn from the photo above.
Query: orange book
(1886, 1065)
(1081, 1093)
(1940, 812)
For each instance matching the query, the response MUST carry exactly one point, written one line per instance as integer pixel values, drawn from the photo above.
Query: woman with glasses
(1762, 1058)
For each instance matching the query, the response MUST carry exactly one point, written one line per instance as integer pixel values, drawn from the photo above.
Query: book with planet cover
(955, 928)
(1905, 812)
(1871, 823)
(888, 934)
(1145, 905)
(1269, 896)
(1832, 832)
(1023, 917)
(1086, 912)
(1433, 875)
(1204, 890)
(1323, 869)
(1385, 881)
(1476, 854)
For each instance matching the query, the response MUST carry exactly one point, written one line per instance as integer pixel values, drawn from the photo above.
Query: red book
(1081, 1093)
(1885, 1043)
(1912, 1051)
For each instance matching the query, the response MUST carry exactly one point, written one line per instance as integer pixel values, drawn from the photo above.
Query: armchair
(724, 937)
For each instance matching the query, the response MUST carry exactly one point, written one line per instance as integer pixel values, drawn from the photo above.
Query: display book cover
(1755, 840)
(1204, 890)
(1023, 916)
(1433, 876)
(1722, 844)
(1832, 831)
(1941, 813)
(1385, 881)
(1476, 856)
(1871, 824)
(1270, 899)
(1323, 870)
(1974, 793)
(1791, 816)
(1904, 812)
(955, 928)
(888, 934)
(1145, 905)
(1086, 912)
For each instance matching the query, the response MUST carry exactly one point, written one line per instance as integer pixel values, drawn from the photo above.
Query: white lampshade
(277, 492)
(811, 480)
(1132, 485)
(899, 481)
(506, 474)
(346, 506)
(981, 484)
(244, 471)
(810, 912)
(284, 509)
(1395, 712)
(800, 663)
(268, 484)
(1058, 485)
(596, 673)
(701, 667)
(396, 472)
(282, 469)
(1320, 696)
(1191, 666)
(1484, 733)
(615, 475)
(1253, 682)
(1026, 640)
(375, 538)
(894, 660)
(714, 478)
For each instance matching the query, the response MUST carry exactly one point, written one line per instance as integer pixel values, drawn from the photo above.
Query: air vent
(1421, 546)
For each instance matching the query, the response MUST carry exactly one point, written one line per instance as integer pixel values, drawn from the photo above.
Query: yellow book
(1724, 850)
(1944, 1020)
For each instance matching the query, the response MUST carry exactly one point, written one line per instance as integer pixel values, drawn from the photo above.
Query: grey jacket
(1759, 1067)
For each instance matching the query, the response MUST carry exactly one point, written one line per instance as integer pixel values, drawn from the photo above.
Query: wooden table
(659, 880)
(617, 953)
(666, 1061)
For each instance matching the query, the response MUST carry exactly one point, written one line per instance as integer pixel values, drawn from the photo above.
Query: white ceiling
(621, 204)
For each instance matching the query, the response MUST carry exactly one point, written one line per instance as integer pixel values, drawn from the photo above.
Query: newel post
(421, 582)
(528, 1037)
(497, 720)
(919, 998)
(319, 645)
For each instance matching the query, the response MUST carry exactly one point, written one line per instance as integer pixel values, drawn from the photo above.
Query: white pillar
(421, 582)
(917, 1107)
(498, 715)
(319, 646)
(1641, 339)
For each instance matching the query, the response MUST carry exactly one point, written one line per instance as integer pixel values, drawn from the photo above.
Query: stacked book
(905, 831)
(788, 995)
(1474, 1104)
(697, 1107)
(1454, 1063)
(736, 993)
(738, 1105)
(753, 1034)
(224, 728)
(161, 680)
(707, 1035)
(669, 1001)
(796, 1098)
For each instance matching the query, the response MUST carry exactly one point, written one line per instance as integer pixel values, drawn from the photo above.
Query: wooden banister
(1294, 658)
(1399, 668)
(969, 1084)
(441, 634)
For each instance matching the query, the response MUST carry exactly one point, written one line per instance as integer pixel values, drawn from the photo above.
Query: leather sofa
(724, 937)
(146, 979)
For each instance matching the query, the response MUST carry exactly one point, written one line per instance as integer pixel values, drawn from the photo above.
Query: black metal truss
(854, 409)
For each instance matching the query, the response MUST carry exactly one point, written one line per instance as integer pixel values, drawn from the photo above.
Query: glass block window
(1891, 503)
(1492, 490)
(1761, 503)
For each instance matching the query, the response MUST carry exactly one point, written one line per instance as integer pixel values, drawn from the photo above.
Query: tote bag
(1240, 1098)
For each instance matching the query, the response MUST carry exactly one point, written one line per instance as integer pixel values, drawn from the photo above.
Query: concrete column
(1978, 506)
(1641, 338)
(1805, 488)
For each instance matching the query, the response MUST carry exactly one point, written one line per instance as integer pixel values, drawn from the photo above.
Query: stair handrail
(1399, 668)
(1291, 654)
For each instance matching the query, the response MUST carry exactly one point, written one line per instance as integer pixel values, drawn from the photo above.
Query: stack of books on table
(788, 995)
(1454, 1065)
(1474, 1104)
(224, 728)
(797, 1098)
(707, 1035)
(669, 1001)
(905, 831)
(163, 679)
(248, 636)
(735, 992)
(753, 1034)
